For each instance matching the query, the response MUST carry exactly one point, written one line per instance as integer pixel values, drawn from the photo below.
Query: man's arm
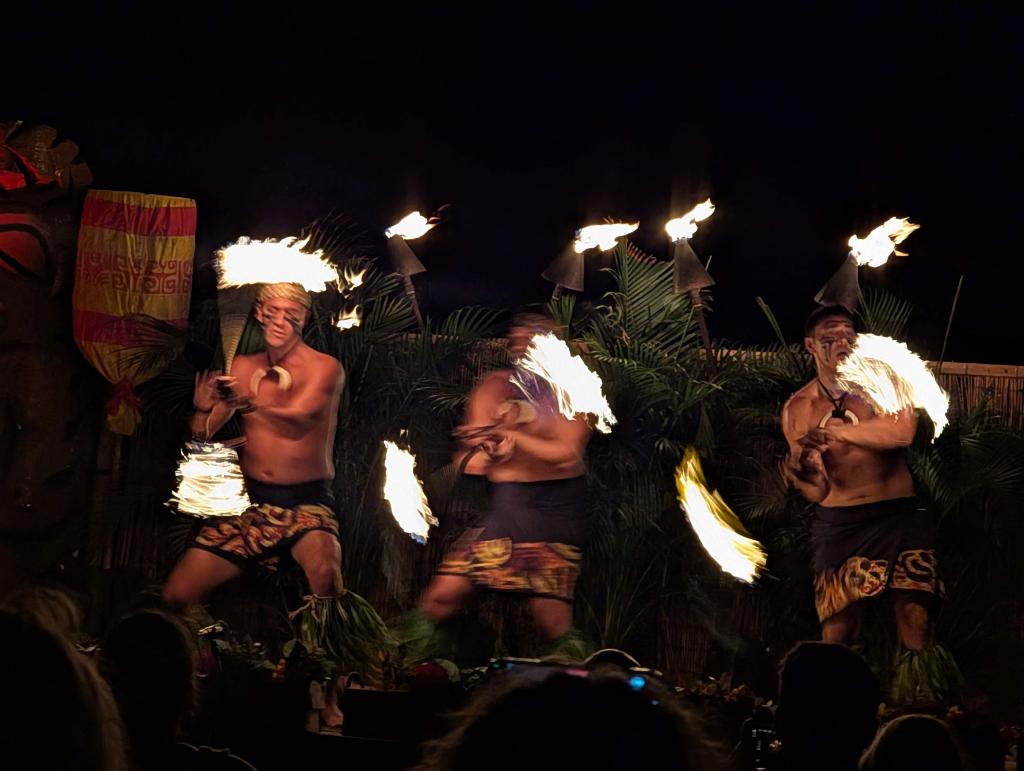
(480, 408)
(879, 433)
(306, 407)
(211, 410)
(564, 446)
(803, 466)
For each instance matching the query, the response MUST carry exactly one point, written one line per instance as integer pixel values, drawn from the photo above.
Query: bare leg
(195, 575)
(552, 618)
(319, 554)
(844, 626)
(911, 620)
(444, 596)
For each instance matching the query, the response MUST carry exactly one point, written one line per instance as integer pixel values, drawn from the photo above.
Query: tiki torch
(873, 251)
(566, 270)
(688, 273)
(406, 263)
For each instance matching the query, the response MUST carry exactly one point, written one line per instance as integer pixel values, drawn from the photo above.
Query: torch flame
(410, 227)
(404, 493)
(578, 388)
(274, 262)
(719, 530)
(350, 319)
(352, 279)
(874, 250)
(893, 378)
(210, 481)
(686, 226)
(601, 236)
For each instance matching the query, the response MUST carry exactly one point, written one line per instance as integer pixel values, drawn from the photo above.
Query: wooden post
(410, 292)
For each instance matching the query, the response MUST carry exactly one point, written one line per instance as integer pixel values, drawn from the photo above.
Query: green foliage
(643, 564)
(350, 633)
(884, 313)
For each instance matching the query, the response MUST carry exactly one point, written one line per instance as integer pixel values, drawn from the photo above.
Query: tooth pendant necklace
(838, 408)
(284, 377)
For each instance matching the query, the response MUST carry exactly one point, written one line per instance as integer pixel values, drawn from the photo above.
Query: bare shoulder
(798, 405)
(803, 398)
(247, 363)
(323, 364)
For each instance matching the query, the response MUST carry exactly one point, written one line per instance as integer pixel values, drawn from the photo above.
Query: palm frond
(884, 313)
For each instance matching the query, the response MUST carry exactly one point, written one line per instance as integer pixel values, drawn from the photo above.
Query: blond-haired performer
(288, 398)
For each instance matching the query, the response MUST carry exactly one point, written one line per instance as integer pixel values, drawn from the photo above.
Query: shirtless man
(870, 533)
(288, 397)
(531, 537)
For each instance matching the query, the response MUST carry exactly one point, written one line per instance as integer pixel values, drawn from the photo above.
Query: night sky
(805, 124)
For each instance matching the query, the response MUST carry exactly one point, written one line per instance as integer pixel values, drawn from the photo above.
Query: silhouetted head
(828, 705)
(568, 721)
(147, 658)
(55, 710)
(914, 743)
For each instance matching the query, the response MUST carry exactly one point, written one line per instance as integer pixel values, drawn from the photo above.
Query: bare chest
(822, 411)
(269, 386)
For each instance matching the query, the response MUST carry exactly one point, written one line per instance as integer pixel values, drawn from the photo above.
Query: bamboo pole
(949, 323)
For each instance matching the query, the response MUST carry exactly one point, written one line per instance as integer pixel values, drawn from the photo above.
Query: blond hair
(285, 291)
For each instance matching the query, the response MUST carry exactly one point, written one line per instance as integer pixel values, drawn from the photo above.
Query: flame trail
(404, 493)
(686, 226)
(893, 378)
(410, 227)
(578, 388)
(274, 262)
(603, 237)
(874, 250)
(719, 530)
(210, 481)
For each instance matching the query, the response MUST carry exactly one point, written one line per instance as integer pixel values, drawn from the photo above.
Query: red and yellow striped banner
(135, 256)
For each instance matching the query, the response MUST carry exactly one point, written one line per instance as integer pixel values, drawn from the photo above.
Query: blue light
(636, 682)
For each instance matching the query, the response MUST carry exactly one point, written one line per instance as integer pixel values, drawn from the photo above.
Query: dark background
(804, 122)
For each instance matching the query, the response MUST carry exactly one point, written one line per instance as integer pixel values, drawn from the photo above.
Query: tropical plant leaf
(884, 313)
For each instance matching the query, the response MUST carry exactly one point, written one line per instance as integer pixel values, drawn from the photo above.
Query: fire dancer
(288, 398)
(870, 532)
(531, 537)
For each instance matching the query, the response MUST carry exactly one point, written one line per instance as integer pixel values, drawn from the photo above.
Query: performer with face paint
(870, 533)
(288, 398)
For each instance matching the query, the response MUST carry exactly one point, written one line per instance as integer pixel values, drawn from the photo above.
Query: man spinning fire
(288, 399)
(531, 537)
(870, 533)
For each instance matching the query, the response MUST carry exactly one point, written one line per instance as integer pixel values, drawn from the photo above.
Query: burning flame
(350, 319)
(404, 493)
(410, 227)
(719, 530)
(578, 388)
(601, 236)
(686, 226)
(352, 279)
(274, 262)
(893, 378)
(874, 250)
(210, 481)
